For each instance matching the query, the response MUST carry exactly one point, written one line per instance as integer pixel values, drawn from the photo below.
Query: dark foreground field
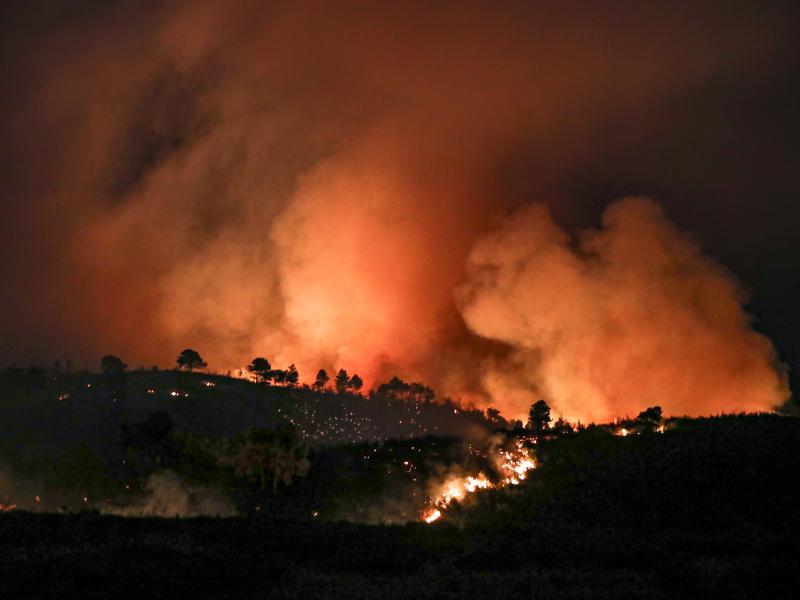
(708, 509)
(108, 557)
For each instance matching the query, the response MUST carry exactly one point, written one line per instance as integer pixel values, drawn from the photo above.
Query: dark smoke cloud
(307, 180)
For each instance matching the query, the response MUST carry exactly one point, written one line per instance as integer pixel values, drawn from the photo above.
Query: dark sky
(306, 180)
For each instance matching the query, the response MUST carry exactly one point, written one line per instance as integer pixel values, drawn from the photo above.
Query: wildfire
(429, 515)
(514, 466)
(7, 507)
(477, 483)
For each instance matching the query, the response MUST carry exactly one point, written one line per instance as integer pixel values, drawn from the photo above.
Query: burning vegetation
(453, 499)
(190, 444)
(511, 467)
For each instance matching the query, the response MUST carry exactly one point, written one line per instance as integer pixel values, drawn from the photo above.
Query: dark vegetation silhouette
(675, 508)
(190, 360)
(539, 417)
(562, 427)
(151, 441)
(342, 381)
(321, 381)
(262, 455)
(112, 365)
(650, 418)
(495, 419)
(261, 369)
(292, 377)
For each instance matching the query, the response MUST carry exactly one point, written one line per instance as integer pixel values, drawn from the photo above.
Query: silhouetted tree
(292, 376)
(355, 383)
(112, 365)
(190, 359)
(322, 380)
(650, 418)
(261, 369)
(495, 419)
(278, 376)
(539, 417)
(398, 390)
(341, 381)
(562, 427)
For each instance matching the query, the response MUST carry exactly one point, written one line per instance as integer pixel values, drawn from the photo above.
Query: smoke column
(315, 182)
(626, 316)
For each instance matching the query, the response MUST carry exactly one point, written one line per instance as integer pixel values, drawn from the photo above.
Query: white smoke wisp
(167, 495)
(619, 318)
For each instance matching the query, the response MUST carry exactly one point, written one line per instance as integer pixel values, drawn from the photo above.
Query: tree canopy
(341, 382)
(112, 365)
(292, 376)
(190, 359)
(355, 383)
(260, 368)
(539, 417)
(322, 379)
(650, 418)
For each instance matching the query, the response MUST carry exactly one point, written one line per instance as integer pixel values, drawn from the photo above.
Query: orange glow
(513, 466)
(429, 515)
(382, 224)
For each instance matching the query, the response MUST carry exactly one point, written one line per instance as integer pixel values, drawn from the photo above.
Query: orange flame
(514, 468)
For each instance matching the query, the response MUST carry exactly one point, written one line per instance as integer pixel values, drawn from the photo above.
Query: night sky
(328, 183)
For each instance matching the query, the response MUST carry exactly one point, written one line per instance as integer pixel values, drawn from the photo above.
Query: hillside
(707, 509)
(47, 414)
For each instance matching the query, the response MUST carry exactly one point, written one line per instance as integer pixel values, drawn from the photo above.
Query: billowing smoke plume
(622, 317)
(306, 181)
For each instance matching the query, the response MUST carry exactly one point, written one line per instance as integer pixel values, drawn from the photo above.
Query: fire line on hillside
(514, 466)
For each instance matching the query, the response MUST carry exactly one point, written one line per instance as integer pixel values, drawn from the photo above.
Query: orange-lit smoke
(626, 316)
(307, 180)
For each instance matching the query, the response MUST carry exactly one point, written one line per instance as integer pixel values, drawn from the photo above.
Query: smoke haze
(327, 184)
(627, 316)
(167, 495)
